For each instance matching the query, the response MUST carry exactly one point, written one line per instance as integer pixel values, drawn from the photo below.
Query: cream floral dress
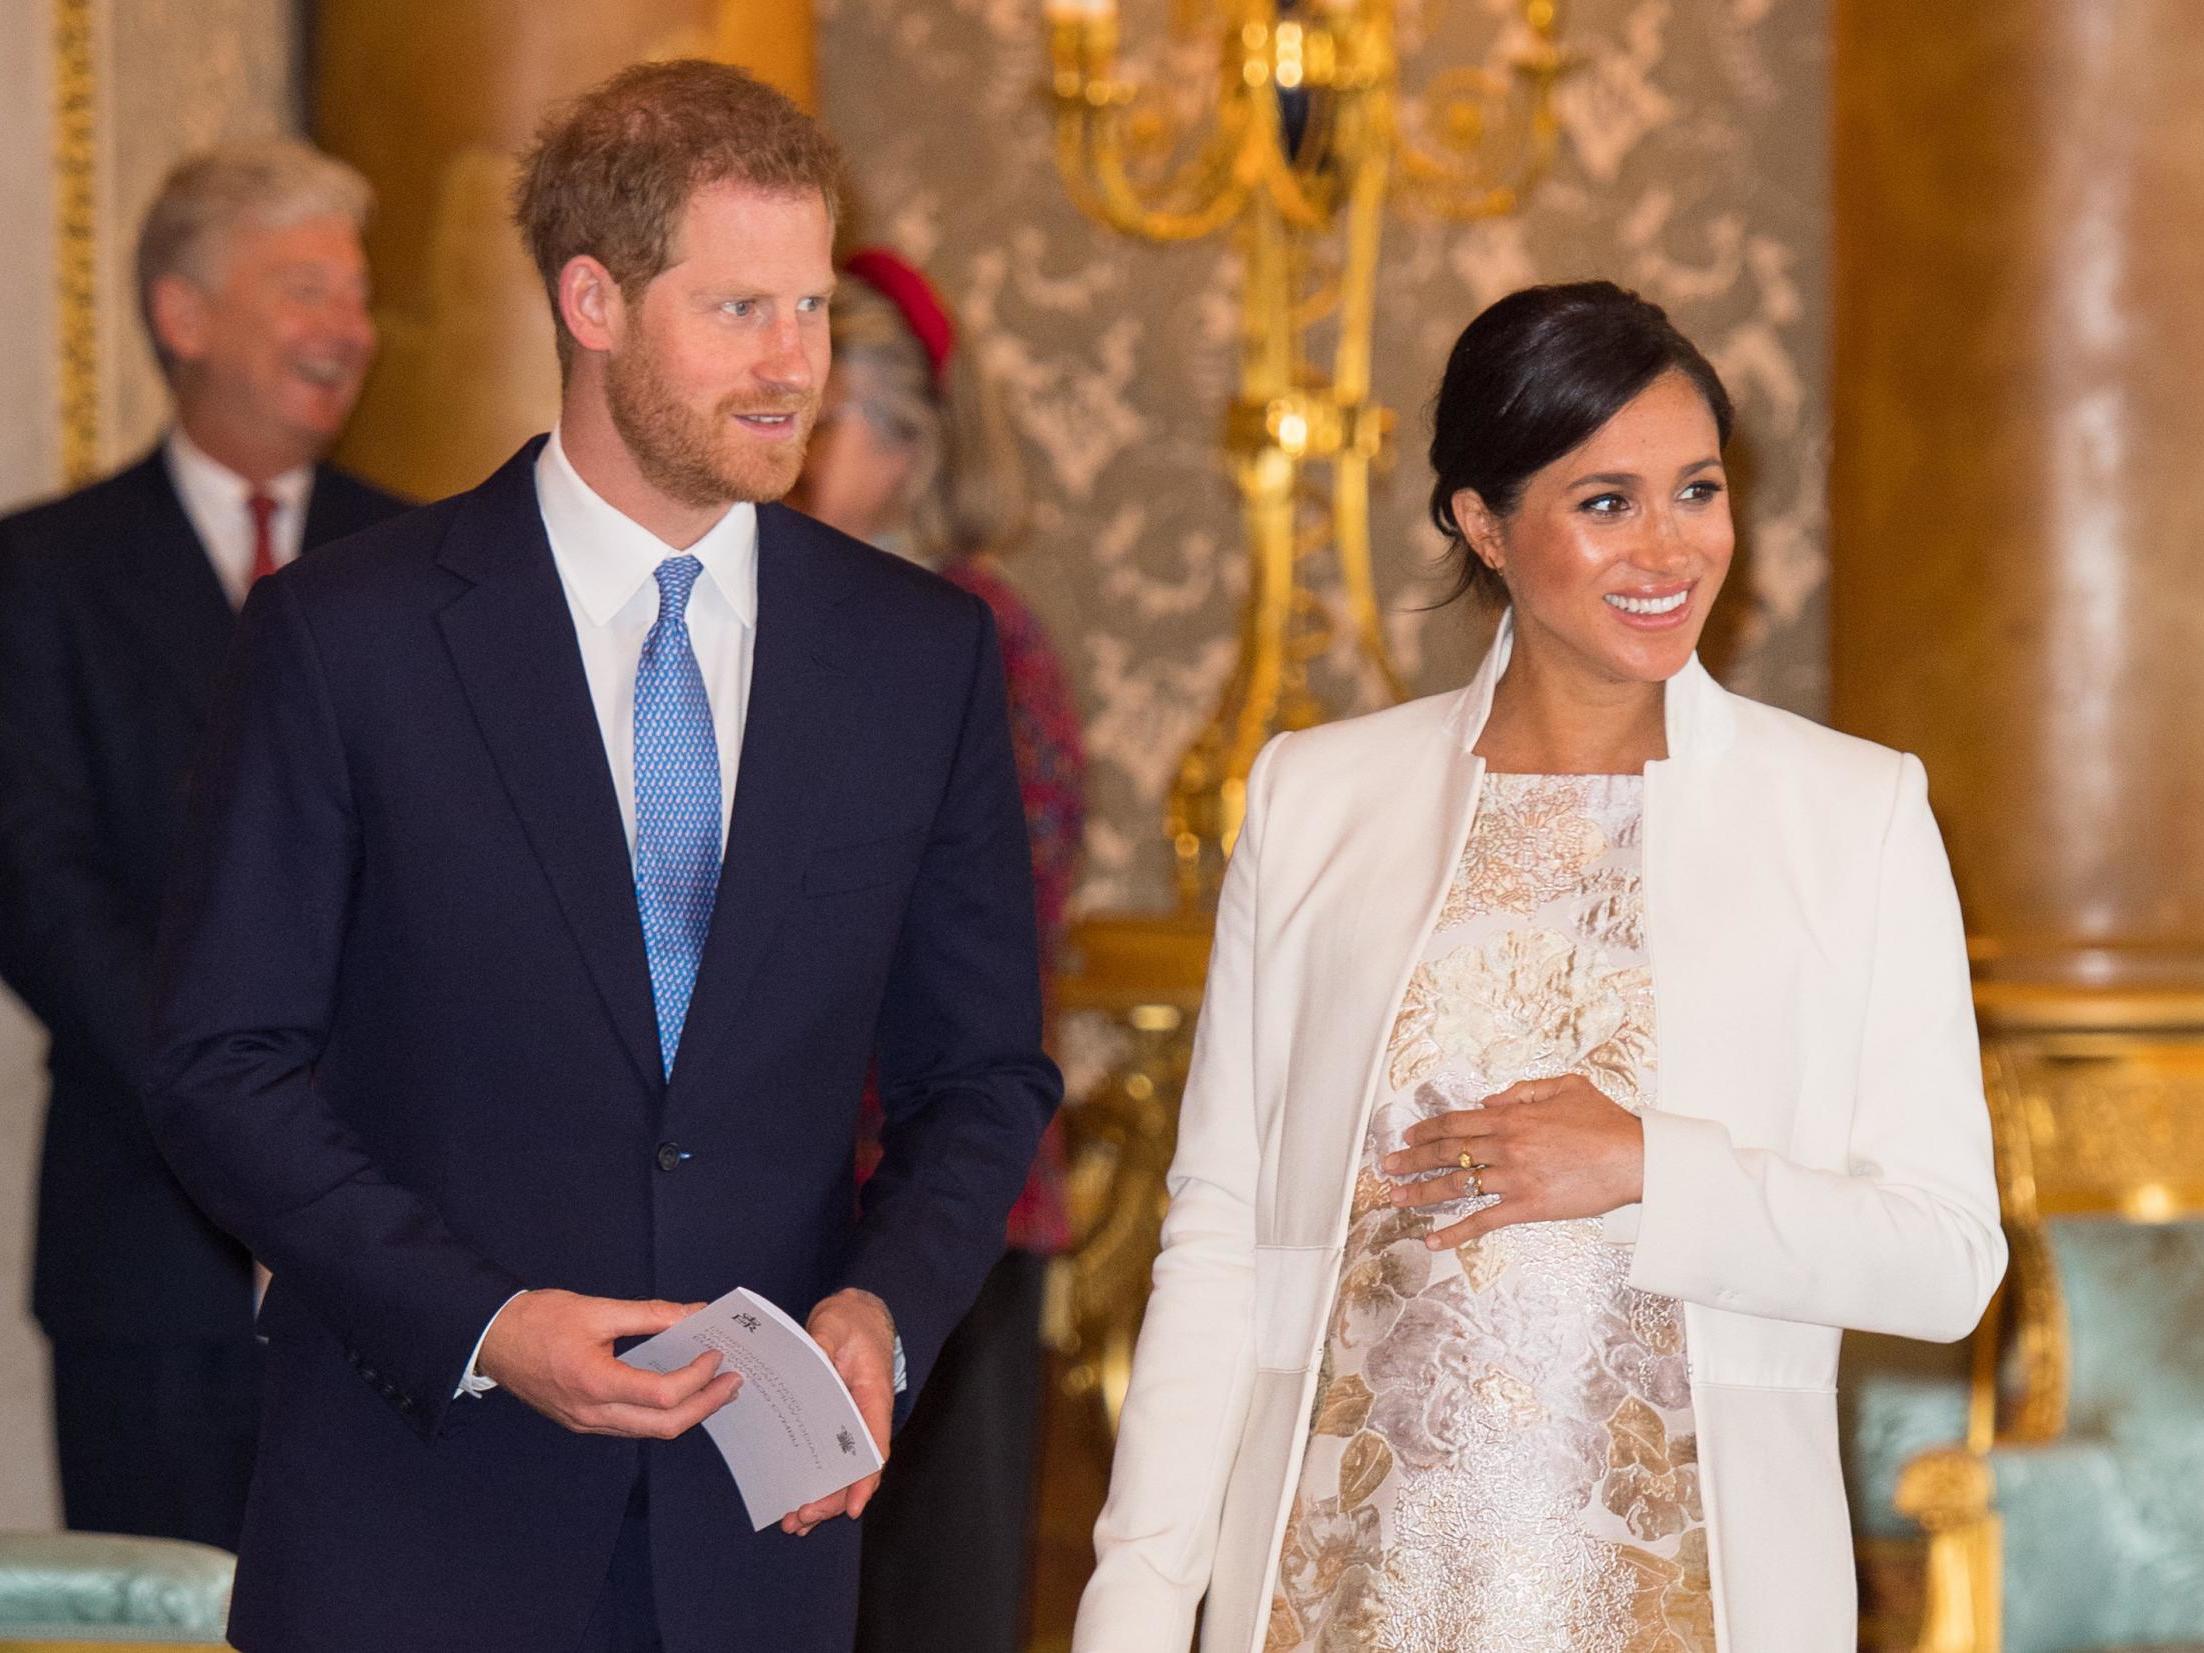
(1502, 1457)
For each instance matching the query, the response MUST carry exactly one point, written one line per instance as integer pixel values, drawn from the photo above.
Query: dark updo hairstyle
(1532, 379)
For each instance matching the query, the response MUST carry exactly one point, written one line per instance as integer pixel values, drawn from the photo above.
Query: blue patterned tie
(676, 803)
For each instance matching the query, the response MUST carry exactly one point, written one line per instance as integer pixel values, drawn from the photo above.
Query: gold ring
(1466, 1161)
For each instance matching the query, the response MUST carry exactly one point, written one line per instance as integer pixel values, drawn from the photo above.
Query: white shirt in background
(214, 499)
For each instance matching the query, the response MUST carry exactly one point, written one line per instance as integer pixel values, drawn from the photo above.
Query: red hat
(900, 282)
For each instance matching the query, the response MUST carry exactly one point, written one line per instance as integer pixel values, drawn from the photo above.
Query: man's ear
(591, 304)
(1487, 543)
(180, 317)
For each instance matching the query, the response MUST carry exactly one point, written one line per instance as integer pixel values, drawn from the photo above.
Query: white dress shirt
(607, 563)
(214, 499)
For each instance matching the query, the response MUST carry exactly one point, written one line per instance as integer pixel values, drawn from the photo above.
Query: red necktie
(263, 509)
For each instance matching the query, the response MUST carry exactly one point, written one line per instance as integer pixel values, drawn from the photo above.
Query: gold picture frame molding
(76, 234)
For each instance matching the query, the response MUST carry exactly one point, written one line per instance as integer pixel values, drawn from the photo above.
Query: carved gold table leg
(1120, 1142)
(1145, 976)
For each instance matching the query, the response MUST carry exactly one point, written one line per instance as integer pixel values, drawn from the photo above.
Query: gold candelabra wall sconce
(1293, 139)
(1307, 134)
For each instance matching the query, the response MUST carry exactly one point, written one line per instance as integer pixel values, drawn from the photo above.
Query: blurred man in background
(116, 607)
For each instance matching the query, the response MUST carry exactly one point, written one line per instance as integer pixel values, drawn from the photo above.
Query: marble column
(2017, 496)
(432, 99)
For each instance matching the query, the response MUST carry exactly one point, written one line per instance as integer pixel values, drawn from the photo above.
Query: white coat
(1820, 1156)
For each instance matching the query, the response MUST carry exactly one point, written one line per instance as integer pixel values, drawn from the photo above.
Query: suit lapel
(511, 639)
(790, 728)
(159, 579)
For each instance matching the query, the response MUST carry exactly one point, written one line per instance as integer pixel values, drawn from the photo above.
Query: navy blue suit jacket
(113, 628)
(405, 1050)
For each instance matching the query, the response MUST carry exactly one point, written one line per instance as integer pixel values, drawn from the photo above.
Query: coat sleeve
(75, 946)
(1194, 1367)
(1905, 1238)
(965, 1087)
(252, 947)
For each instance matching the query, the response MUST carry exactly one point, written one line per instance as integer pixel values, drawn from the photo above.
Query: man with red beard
(117, 603)
(564, 856)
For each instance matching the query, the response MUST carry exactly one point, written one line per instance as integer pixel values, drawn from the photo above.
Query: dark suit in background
(406, 1048)
(113, 627)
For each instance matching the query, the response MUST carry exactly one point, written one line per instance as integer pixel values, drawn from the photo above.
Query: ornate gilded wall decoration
(76, 235)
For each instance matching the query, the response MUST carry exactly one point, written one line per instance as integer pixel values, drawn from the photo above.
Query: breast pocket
(1293, 1287)
(840, 869)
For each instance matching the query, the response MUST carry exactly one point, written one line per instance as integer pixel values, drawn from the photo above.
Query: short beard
(696, 460)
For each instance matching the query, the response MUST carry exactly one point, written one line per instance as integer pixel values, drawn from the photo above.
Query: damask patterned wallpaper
(175, 76)
(1692, 168)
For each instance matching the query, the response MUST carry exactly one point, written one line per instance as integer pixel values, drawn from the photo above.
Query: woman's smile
(1657, 608)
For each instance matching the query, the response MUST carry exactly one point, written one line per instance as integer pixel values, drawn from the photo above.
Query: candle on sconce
(1082, 44)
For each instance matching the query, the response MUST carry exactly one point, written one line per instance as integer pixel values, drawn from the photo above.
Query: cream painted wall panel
(30, 444)
(27, 1493)
(30, 465)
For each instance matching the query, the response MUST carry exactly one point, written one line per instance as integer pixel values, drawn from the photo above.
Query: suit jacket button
(670, 1156)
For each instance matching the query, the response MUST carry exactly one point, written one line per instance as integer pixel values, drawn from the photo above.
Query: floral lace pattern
(1502, 1456)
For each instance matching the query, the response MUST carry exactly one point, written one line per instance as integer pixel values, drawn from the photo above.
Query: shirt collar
(606, 557)
(199, 475)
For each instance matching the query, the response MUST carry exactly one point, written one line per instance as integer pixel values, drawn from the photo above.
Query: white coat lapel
(1724, 918)
(1370, 904)
(1405, 815)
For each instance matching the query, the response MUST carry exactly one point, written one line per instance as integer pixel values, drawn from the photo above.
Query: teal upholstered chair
(2068, 1516)
(1896, 1400)
(77, 1592)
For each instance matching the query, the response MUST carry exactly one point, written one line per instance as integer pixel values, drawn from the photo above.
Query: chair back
(2097, 1101)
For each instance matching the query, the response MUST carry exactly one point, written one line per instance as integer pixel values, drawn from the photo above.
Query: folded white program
(792, 1434)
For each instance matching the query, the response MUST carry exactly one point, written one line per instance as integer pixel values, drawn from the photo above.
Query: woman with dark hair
(1584, 1049)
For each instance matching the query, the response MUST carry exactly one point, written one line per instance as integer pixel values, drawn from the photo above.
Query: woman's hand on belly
(1546, 1150)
